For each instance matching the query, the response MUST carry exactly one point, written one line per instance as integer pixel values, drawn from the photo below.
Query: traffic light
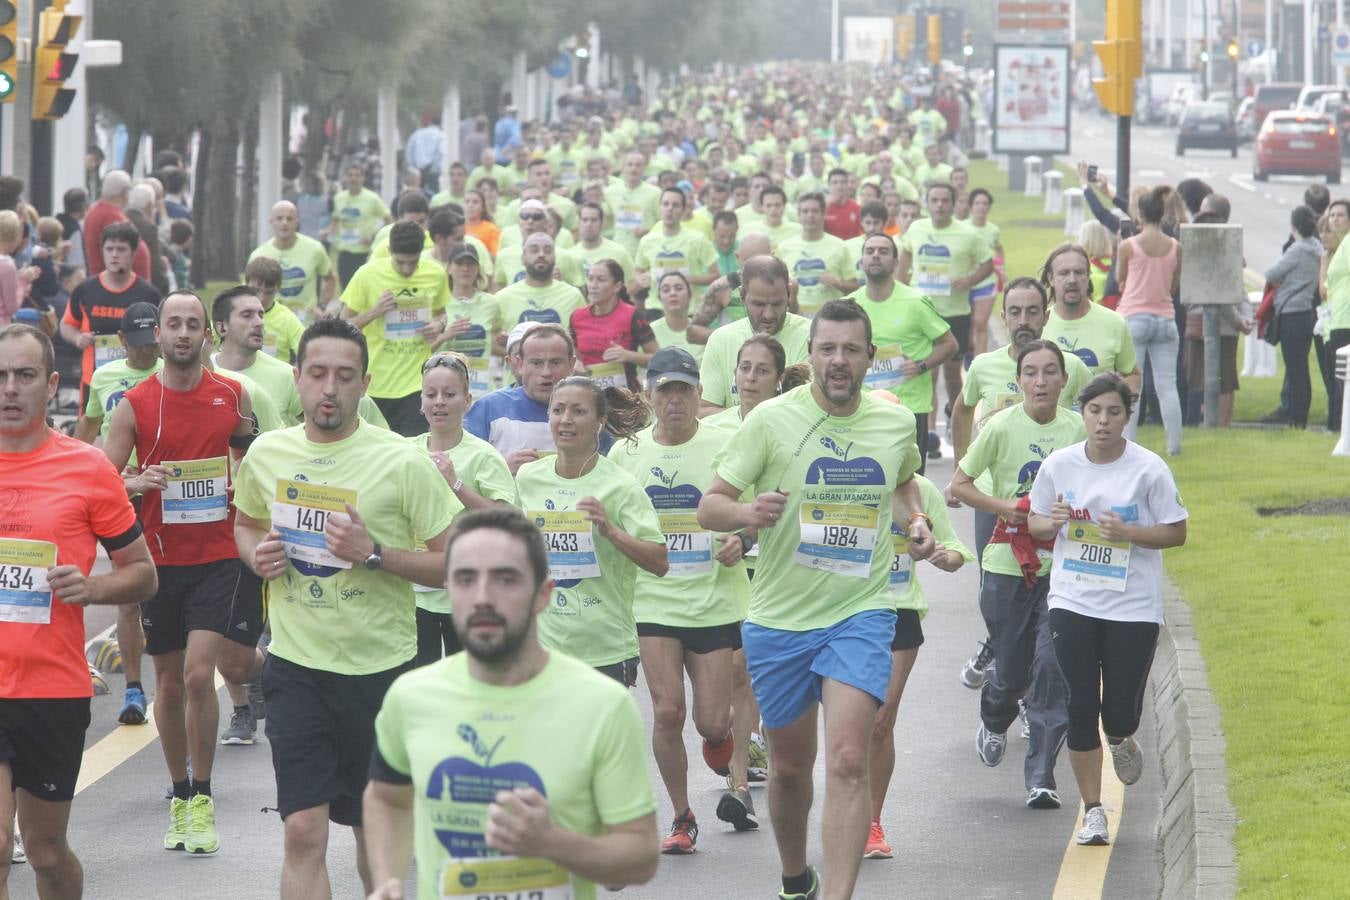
(1120, 56)
(968, 43)
(935, 39)
(52, 65)
(9, 49)
(1233, 50)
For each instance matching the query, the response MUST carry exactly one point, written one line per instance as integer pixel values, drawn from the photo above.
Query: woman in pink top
(1148, 269)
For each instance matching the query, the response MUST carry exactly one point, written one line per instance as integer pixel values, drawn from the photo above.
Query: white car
(1182, 94)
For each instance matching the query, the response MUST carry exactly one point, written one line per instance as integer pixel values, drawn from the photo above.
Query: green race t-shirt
(904, 327)
(523, 302)
(1338, 289)
(282, 330)
(482, 469)
(328, 614)
(278, 380)
(904, 578)
(356, 219)
(483, 312)
(397, 351)
(111, 380)
(941, 255)
(585, 257)
(698, 591)
(686, 251)
(303, 266)
(830, 556)
(717, 371)
(510, 266)
(1101, 339)
(785, 231)
(633, 208)
(1011, 447)
(572, 734)
(808, 260)
(668, 337)
(591, 614)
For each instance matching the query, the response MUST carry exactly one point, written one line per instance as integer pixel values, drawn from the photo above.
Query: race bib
(628, 218)
(688, 547)
(902, 564)
(571, 545)
(401, 324)
(1004, 401)
(610, 374)
(505, 878)
(481, 374)
(1091, 559)
(884, 372)
(196, 491)
(836, 537)
(933, 278)
(107, 347)
(299, 514)
(24, 594)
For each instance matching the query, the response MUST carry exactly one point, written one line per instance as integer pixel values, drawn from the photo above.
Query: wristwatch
(923, 366)
(374, 561)
(747, 542)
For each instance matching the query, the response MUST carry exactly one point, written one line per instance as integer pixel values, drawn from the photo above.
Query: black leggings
(435, 637)
(1106, 666)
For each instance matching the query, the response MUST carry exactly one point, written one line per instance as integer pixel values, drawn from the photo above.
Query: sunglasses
(532, 217)
(445, 360)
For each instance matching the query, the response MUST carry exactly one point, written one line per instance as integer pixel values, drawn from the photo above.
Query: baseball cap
(138, 324)
(532, 205)
(671, 364)
(517, 334)
(463, 251)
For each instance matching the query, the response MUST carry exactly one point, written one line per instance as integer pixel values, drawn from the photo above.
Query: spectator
(176, 204)
(1234, 319)
(140, 211)
(93, 169)
(1149, 272)
(1193, 191)
(1332, 228)
(74, 206)
(113, 194)
(1100, 245)
(11, 293)
(180, 253)
(1295, 280)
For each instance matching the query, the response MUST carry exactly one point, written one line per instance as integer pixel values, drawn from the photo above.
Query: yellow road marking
(1082, 873)
(119, 745)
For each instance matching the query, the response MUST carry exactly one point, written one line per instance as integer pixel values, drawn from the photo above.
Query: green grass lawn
(1258, 396)
(1028, 233)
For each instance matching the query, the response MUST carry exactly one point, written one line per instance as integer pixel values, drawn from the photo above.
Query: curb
(1195, 830)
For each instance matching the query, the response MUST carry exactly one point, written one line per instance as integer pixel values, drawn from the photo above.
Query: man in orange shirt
(64, 496)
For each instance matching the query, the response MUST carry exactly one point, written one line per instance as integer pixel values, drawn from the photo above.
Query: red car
(1291, 142)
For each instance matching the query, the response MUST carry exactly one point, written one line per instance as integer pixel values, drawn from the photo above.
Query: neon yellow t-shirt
(717, 371)
(698, 591)
(987, 288)
(830, 555)
(523, 302)
(303, 266)
(510, 268)
(808, 260)
(940, 255)
(904, 327)
(356, 218)
(633, 208)
(685, 251)
(585, 257)
(483, 312)
(591, 614)
(777, 236)
(904, 579)
(669, 337)
(1101, 339)
(278, 380)
(572, 734)
(328, 614)
(282, 330)
(397, 351)
(111, 380)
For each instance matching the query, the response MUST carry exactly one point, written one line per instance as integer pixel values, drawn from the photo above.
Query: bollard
(1075, 207)
(1258, 357)
(1054, 191)
(1342, 447)
(1001, 160)
(983, 138)
(1033, 164)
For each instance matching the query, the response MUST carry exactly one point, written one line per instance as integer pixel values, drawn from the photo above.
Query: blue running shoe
(133, 707)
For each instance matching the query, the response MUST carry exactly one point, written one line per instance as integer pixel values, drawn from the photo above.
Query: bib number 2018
(1095, 553)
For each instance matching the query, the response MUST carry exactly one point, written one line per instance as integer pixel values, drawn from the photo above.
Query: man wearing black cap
(689, 619)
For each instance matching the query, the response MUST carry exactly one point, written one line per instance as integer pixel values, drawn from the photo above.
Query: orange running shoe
(683, 834)
(877, 848)
(718, 756)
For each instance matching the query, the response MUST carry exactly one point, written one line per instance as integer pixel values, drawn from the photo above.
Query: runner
(47, 549)
(399, 304)
(912, 340)
(514, 420)
(592, 246)
(308, 280)
(821, 623)
(820, 263)
(184, 425)
(672, 248)
(1011, 447)
(1096, 335)
(305, 496)
(281, 326)
(241, 325)
(1111, 508)
(672, 330)
(581, 809)
(599, 525)
(612, 336)
(476, 473)
(982, 295)
(538, 297)
(634, 203)
(474, 320)
(690, 619)
(112, 380)
(358, 213)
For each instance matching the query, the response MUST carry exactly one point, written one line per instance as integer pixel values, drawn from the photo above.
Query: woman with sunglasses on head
(612, 335)
(475, 472)
(1111, 508)
(598, 524)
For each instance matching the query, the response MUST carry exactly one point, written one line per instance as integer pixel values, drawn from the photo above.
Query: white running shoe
(1094, 831)
(990, 746)
(1128, 760)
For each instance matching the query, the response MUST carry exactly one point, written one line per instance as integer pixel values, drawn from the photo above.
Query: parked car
(1336, 105)
(1182, 94)
(1312, 93)
(1245, 118)
(1208, 125)
(1291, 142)
(1276, 95)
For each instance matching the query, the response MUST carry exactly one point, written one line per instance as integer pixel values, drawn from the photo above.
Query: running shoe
(683, 835)
(877, 848)
(973, 675)
(1022, 714)
(1128, 760)
(256, 704)
(176, 838)
(1094, 831)
(758, 759)
(17, 856)
(811, 894)
(990, 746)
(201, 826)
(99, 683)
(934, 445)
(1042, 798)
(737, 808)
(133, 707)
(243, 728)
(718, 756)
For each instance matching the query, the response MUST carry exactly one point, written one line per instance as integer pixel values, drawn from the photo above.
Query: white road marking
(1242, 181)
(1151, 173)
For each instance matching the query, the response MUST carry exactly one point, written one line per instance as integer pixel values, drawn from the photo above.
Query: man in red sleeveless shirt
(185, 424)
(60, 498)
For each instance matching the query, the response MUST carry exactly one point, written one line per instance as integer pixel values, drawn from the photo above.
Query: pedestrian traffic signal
(9, 49)
(52, 65)
(967, 43)
(1120, 56)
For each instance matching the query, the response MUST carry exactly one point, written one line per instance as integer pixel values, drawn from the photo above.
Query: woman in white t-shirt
(1112, 507)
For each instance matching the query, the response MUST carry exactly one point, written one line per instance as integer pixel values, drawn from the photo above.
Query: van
(1277, 95)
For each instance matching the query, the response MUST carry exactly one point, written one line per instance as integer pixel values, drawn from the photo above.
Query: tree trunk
(134, 133)
(214, 249)
(248, 195)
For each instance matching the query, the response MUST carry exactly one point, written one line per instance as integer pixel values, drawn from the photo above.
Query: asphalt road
(958, 828)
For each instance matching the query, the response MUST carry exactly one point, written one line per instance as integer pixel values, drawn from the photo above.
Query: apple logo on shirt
(838, 470)
(459, 789)
(808, 271)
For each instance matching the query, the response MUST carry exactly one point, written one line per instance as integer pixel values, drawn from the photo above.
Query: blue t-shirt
(510, 420)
